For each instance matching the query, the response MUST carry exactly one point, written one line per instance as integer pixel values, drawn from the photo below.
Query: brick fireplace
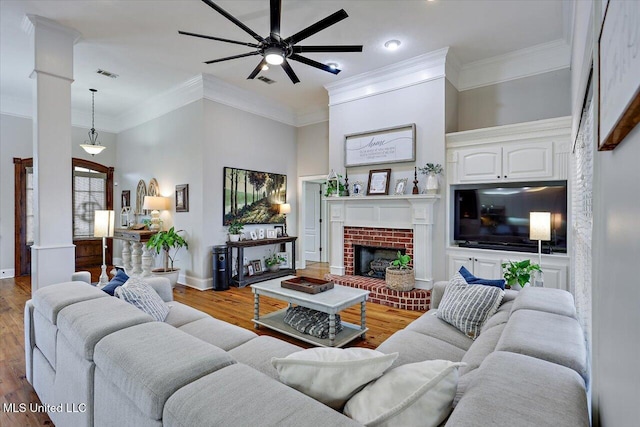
(392, 238)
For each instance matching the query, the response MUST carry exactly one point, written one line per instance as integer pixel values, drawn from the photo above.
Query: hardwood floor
(234, 306)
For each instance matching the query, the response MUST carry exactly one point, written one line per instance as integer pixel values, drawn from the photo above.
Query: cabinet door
(527, 161)
(555, 276)
(457, 261)
(479, 164)
(487, 268)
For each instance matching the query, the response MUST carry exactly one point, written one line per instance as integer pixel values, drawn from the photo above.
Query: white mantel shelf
(409, 211)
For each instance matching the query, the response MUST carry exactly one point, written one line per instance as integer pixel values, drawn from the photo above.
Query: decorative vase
(432, 185)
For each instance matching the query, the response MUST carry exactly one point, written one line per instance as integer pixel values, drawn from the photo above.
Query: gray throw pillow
(467, 307)
(144, 297)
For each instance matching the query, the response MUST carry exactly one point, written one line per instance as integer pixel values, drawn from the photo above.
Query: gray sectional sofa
(103, 362)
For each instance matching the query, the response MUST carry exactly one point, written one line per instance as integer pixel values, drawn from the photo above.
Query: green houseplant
(273, 261)
(234, 230)
(164, 242)
(399, 275)
(519, 272)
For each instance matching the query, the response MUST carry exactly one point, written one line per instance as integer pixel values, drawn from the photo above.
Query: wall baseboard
(7, 273)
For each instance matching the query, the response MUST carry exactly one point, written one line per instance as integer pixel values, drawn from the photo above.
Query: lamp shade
(103, 223)
(540, 225)
(284, 208)
(156, 203)
(93, 149)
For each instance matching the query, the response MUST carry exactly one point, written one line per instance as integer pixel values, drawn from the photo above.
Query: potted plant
(432, 170)
(335, 187)
(273, 261)
(399, 276)
(165, 241)
(519, 273)
(234, 230)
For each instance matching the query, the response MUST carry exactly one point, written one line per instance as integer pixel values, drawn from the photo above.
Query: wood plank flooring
(234, 306)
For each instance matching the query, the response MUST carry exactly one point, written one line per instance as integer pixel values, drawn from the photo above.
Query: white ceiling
(139, 41)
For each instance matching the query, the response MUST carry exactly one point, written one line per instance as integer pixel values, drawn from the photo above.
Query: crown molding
(82, 119)
(227, 94)
(539, 59)
(419, 69)
(17, 107)
(30, 21)
(312, 117)
(558, 126)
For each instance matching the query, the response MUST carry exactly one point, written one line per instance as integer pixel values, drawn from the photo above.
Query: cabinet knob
(498, 176)
(476, 260)
(505, 176)
(470, 259)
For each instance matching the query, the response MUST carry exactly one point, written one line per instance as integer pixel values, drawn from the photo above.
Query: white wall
(16, 140)
(313, 149)
(422, 104)
(543, 96)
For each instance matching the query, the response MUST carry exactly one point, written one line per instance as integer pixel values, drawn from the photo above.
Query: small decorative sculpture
(415, 181)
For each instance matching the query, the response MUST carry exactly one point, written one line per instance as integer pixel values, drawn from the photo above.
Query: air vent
(107, 73)
(267, 80)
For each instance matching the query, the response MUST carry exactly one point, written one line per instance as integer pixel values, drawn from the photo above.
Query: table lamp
(155, 204)
(103, 227)
(284, 209)
(539, 229)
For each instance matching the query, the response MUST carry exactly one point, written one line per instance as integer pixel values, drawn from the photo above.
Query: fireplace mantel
(404, 212)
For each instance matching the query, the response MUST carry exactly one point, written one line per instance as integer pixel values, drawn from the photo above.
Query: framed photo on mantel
(378, 182)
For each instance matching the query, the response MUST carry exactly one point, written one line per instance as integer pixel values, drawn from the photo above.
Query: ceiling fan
(276, 50)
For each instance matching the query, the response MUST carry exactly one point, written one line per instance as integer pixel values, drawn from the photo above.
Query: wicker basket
(400, 280)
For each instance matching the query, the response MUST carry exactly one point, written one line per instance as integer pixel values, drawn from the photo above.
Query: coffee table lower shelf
(275, 321)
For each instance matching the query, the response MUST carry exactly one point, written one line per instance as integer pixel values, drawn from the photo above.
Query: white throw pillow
(416, 394)
(141, 295)
(332, 375)
(467, 307)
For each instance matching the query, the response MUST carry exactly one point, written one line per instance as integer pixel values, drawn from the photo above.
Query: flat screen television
(496, 216)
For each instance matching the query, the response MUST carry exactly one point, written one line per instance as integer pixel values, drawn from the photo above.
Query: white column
(53, 252)
(336, 241)
(422, 219)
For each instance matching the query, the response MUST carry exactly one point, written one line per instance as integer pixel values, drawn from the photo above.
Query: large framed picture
(249, 196)
(378, 182)
(389, 145)
(618, 71)
(182, 198)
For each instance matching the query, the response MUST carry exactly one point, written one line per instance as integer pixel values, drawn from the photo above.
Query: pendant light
(92, 146)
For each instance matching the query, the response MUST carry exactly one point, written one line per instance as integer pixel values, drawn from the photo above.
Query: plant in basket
(399, 276)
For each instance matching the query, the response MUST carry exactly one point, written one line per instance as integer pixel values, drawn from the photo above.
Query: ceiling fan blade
(218, 39)
(344, 48)
(232, 57)
(276, 16)
(231, 18)
(313, 63)
(257, 70)
(287, 69)
(317, 27)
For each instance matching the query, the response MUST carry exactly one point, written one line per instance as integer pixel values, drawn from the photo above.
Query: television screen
(497, 216)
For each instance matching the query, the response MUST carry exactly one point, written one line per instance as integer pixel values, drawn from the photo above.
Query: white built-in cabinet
(523, 152)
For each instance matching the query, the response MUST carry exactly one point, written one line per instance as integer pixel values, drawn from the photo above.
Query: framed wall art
(257, 266)
(618, 71)
(401, 186)
(279, 230)
(249, 196)
(182, 198)
(378, 182)
(125, 199)
(357, 189)
(390, 145)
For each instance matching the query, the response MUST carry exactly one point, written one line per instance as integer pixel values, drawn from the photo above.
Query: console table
(136, 258)
(241, 280)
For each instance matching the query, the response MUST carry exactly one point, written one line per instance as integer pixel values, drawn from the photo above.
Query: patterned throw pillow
(144, 297)
(468, 307)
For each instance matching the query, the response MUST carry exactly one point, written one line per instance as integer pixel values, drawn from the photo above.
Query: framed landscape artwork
(250, 196)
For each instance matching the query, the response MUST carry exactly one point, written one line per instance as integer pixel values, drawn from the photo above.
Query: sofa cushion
(555, 301)
(87, 322)
(467, 307)
(481, 348)
(429, 324)
(416, 394)
(259, 351)
(416, 347)
(473, 280)
(118, 280)
(142, 296)
(181, 314)
(332, 375)
(247, 398)
(500, 317)
(552, 337)
(221, 334)
(45, 336)
(51, 299)
(149, 362)
(532, 393)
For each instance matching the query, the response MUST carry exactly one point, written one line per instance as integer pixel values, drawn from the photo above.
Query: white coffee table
(330, 302)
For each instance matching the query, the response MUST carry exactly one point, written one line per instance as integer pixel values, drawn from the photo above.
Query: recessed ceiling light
(392, 44)
(333, 65)
(265, 67)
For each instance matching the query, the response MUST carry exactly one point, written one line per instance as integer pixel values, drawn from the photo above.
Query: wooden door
(23, 179)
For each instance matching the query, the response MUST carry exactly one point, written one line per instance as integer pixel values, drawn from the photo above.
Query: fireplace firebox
(372, 261)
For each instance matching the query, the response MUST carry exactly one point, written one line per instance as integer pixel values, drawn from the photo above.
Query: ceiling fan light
(274, 56)
(332, 65)
(265, 67)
